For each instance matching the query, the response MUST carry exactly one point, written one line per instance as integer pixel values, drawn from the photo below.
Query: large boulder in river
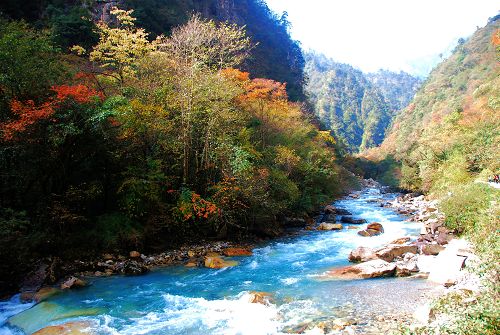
(329, 209)
(342, 211)
(371, 269)
(73, 282)
(376, 226)
(373, 229)
(330, 218)
(392, 251)
(368, 232)
(350, 219)
(214, 262)
(330, 226)
(361, 254)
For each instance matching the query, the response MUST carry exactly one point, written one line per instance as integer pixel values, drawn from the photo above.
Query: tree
(120, 48)
(29, 63)
(200, 49)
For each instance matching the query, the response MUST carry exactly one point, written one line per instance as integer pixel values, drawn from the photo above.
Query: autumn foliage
(29, 113)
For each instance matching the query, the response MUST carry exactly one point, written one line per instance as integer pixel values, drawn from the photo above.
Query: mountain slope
(451, 130)
(358, 108)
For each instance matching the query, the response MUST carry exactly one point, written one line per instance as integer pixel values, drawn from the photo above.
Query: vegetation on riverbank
(446, 144)
(139, 143)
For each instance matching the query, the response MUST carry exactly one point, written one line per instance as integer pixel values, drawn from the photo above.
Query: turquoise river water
(179, 300)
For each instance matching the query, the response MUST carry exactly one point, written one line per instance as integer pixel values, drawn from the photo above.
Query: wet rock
(342, 211)
(131, 267)
(431, 249)
(329, 209)
(391, 251)
(330, 226)
(263, 298)
(192, 263)
(401, 240)
(329, 218)
(369, 232)
(73, 282)
(135, 254)
(214, 262)
(70, 328)
(371, 269)
(350, 219)
(230, 252)
(376, 226)
(361, 254)
(44, 293)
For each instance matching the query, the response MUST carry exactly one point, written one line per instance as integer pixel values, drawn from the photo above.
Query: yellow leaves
(120, 48)
(326, 137)
(286, 158)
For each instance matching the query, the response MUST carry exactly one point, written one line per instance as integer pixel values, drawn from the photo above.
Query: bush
(466, 206)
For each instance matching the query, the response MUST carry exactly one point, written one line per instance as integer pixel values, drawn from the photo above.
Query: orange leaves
(235, 75)
(196, 208)
(79, 93)
(265, 89)
(28, 113)
(495, 39)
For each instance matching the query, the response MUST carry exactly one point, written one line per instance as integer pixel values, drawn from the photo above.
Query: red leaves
(28, 113)
(79, 93)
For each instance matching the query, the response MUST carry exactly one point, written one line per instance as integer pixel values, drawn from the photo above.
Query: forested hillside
(134, 142)
(450, 131)
(275, 56)
(357, 107)
(445, 143)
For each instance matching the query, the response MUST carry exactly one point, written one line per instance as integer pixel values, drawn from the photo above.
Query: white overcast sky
(397, 35)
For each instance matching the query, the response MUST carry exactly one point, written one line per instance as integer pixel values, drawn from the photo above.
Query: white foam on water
(289, 281)
(10, 308)
(183, 315)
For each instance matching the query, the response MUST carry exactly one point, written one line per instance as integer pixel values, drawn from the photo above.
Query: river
(180, 300)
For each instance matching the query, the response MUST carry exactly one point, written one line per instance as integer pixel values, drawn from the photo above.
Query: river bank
(289, 270)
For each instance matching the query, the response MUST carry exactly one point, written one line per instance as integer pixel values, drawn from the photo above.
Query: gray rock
(350, 219)
(362, 254)
(391, 251)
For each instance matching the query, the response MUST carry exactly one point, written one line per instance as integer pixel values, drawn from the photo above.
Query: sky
(398, 35)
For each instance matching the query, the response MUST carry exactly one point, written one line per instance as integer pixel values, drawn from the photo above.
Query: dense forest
(130, 141)
(356, 107)
(275, 55)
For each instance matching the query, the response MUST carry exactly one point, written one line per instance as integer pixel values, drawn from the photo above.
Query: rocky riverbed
(292, 279)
